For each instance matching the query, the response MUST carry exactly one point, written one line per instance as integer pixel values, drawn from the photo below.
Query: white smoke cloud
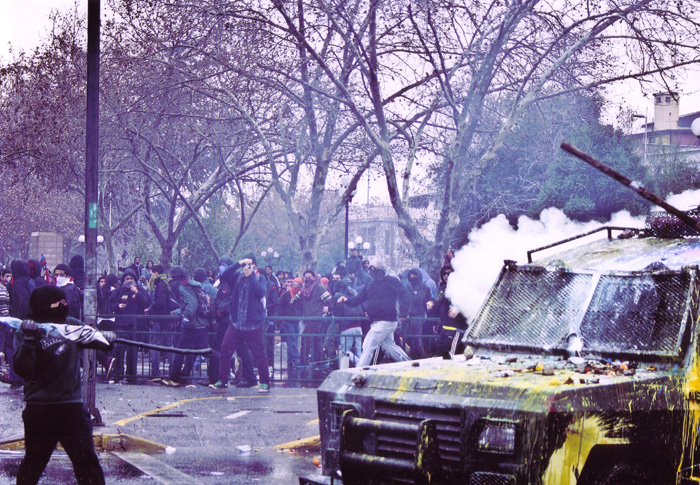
(477, 264)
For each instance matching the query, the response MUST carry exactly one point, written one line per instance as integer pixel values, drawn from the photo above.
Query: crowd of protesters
(240, 311)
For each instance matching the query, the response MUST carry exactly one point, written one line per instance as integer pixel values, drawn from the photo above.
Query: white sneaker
(2, 358)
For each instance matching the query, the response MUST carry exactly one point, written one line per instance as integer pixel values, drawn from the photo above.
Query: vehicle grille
(449, 428)
(337, 410)
(488, 478)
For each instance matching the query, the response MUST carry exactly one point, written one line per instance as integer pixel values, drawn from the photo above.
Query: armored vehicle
(581, 368)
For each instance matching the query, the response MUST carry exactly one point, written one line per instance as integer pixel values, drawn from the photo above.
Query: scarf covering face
(307, 289)
(294, 290)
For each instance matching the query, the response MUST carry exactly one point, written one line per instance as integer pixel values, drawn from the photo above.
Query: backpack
(173, 304)
(204, 306)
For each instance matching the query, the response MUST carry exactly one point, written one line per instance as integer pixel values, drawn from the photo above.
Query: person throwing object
(54, 409)
(379, 298)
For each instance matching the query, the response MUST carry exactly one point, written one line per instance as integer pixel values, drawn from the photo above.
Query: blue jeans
(289, 332)
(191, 338)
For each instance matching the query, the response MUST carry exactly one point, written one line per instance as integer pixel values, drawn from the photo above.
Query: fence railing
(299, 350)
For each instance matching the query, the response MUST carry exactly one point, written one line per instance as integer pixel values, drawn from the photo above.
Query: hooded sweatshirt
(20, 288)
(77, 270)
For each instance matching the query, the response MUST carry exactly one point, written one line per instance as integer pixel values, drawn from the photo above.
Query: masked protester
(54, 411)
(314, 303)
(289, 327)
(417, 326)
(380, 297)
(452, 324)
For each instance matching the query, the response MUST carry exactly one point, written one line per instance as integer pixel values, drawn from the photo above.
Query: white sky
(24, 23)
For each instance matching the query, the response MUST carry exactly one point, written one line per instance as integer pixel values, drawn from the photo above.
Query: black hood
(20, 268)
(129, 271)
(77, 271)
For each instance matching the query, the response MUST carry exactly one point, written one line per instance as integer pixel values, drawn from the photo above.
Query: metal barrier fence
(329, 342)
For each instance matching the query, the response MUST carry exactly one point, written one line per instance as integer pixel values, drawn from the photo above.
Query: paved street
(202, 428)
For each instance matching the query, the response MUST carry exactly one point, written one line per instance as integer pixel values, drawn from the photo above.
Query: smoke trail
(477, 264)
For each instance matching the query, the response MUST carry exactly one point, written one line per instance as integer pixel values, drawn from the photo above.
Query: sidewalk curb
(104, 442)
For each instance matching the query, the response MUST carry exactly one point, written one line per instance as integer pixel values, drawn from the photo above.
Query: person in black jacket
(452, 323)
(20, 287)
(77, 271)
(314, 302)
(35, 272)
(289, 327)
(379, 298)
(54, 409)
(74, 295)
(162, 325)
(128, 303)
(416, 324)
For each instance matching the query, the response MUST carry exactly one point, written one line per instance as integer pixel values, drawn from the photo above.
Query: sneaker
(218, 385)
(14, 387)
(2, 358)
(245, 383)
(264, 388)
(109, 367)
(169, 383)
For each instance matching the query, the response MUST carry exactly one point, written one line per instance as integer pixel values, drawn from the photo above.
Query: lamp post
(645, 133)
(270, 253)
(695, 128)
(345, 183)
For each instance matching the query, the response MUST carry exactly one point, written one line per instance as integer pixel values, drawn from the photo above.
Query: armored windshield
(639, 313)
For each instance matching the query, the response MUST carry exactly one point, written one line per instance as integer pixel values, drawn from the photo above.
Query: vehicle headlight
(497, 437)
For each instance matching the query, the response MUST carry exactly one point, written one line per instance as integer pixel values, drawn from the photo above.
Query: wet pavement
(202, 428)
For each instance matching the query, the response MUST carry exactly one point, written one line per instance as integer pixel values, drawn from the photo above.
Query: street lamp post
(646, 143)
(270, 253)
(695, 127)
(345, 183)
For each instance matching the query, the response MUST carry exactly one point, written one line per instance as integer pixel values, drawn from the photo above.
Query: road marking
(126, 421)
(237, 415)
(156, 469)
(313, 422)
(302, 443)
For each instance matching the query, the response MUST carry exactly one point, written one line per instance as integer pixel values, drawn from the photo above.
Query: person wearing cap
(54, 411)
(379, 298)
(74, 296)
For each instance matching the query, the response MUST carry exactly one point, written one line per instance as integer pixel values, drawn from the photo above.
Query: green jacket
(188, 305)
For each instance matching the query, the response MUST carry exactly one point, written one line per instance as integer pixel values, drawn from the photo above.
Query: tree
(453, 61)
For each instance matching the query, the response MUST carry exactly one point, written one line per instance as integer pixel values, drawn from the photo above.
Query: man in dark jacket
(20, 287)
(193, 324)
(77, 271)
(420, 296)
(289, 327)
(452, 323)
(35, 272)
(247, 316)
(162, 323)
(74, 295)
(314, 302)
(380, 297)
(129, 303)
(54, 409)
